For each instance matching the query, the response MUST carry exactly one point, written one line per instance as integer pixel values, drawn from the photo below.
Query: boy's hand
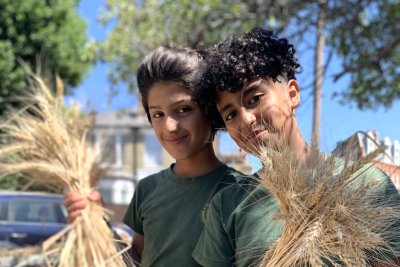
(75, 202)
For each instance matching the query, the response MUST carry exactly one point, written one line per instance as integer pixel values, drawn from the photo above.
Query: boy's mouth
(257, 133)
(175, 140)
(265, 126)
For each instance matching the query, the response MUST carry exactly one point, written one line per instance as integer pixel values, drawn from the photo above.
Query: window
(3, 211)
(124, 195)
(39, 212)
(153, 149)
(111, 148)
(106, 194)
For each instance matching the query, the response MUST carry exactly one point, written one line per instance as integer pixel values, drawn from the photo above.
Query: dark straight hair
(167, 64)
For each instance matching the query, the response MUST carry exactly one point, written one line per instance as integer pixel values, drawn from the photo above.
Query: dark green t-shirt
(240, 225)
(170, 212)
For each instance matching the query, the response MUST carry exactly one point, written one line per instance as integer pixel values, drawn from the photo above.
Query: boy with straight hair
(168, 209)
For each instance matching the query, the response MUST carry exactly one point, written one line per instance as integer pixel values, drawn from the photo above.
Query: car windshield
(37, 211)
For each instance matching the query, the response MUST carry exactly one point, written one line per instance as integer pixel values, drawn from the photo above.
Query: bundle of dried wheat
(22, 252)
(50, 147)
(26, 256)
(333, 210)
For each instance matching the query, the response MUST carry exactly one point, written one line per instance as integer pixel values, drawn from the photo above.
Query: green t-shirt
(240, 225)
(170, 212)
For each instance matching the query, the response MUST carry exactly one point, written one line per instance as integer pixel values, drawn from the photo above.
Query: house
(130, 151)
(362, 143)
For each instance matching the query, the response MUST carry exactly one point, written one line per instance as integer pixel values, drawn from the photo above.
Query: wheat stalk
(329, 216)
(48, 144)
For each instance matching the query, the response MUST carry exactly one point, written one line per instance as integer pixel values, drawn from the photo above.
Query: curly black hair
(258, 53)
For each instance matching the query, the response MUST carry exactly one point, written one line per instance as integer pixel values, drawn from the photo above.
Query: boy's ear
(294, 93)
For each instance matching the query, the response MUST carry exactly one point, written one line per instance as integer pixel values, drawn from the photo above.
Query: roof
(389, 168)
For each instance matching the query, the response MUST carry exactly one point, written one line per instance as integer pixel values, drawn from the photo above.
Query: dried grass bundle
(21, 252)
(332, 211)
(50, 146)
(26, 256)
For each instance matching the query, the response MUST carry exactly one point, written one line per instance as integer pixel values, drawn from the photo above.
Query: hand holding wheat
(48, 144)
(332, 214)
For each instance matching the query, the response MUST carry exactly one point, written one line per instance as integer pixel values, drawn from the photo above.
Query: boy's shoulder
(371, 175)
(368, 171)
(246, 190)
(153, 180)
(223, 175)
(231, 173)
(242, 202)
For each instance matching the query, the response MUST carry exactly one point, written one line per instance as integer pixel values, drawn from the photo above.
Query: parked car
(29, 218)
(123, 231)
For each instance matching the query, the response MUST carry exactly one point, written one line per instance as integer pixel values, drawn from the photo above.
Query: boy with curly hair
(250, 89)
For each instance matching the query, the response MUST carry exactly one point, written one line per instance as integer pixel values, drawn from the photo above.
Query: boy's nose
(247, 117)
(171, 124)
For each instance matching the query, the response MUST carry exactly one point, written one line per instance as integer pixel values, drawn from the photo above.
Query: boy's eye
(157, 115)
(230, 115)
(254, 99)
(184, 109)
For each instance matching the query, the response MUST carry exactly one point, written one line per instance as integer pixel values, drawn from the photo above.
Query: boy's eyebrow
(154, 107)
(175, 104)
(246, 91)
(225, 108)
(251, 88)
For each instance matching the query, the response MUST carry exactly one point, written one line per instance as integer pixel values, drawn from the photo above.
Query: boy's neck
(298, 143)
(302, 150)
(202, 163)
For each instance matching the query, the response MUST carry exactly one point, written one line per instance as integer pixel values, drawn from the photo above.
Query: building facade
(363, 143)
(130, 152)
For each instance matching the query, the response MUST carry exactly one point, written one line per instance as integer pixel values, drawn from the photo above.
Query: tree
(370, 50)
(364, 36)
(141, 27)
(363, 33)
(318, 72)
(49, 36)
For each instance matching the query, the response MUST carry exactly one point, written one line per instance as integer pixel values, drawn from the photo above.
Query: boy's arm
(214, 247)
(133, 220)
(137, 247)
(389, 196)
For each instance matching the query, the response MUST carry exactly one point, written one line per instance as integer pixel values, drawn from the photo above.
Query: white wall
(396, 152)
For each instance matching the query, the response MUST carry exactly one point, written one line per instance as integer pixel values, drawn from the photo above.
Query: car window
(3, 211)
(39, 212)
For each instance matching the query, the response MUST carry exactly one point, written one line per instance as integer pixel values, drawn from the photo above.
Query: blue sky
(338, 122)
